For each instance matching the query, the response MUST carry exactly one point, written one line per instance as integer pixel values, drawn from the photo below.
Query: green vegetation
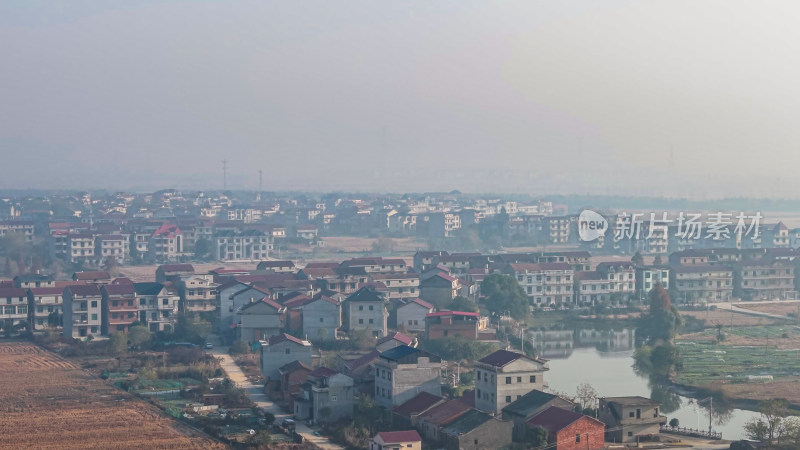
(503, 293)
(704, 363)
(460, 303)
(659, 357)
(774, 427)
(457, 348)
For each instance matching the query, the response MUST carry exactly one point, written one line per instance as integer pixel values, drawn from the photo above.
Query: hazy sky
(680, 98)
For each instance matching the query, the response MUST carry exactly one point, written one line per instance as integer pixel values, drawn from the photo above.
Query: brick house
(529, 405)
(118, 308)
(570, 430)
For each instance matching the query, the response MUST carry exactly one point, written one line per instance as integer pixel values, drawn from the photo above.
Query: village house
(399, 285)
(44, 307)
(630, 418)
(82, 249)
(114, 246)
(393, 340)
(158, 305)
(326, 396)
(548, 284)
(764, 279)
(13, 305)
(439, 289)
(424, 260)
(321, 317)
(700, 284)
(276, 266)
(646, 278)
(376, 264)
(411, 316)
(94, 277)
(476, 430)
(570, 430)
(403, 372)
(278, 351)
(620, 276)
(82, 311)
(504, 377)
(407, 414)
(366, 309)
(198, 293)
(293, 376)
(468, 325)
(396, 440)
(118, 308)
(433, 420)
(172, 272)
(260, 319)
(529, 405)
(166, 243)
(251, 245)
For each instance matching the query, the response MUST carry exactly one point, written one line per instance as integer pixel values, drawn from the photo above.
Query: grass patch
(704, 363)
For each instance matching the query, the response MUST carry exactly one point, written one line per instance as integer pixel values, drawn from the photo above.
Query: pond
(604, 359)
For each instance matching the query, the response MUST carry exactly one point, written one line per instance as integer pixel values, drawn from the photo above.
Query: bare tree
(587, 395)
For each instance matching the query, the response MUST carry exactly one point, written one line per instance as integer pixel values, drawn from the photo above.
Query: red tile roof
(555, 419)
(84, 289)
(452, 313)
(417, 404)
(397, 437)
(277, 339)
(396, 336)
(445, 413)
(13, 292)
(423, 303)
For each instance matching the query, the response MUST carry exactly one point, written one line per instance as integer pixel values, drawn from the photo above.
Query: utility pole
(710, 413)
(224, 174)
(260, 185)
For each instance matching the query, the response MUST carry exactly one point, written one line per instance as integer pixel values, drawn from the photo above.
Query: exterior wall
(321, 319)
(380, 445)
(443, 326)
(198, 294)
(397, 383)
(14, 308)
(337, 396)
(490, 435)
(260, 326)
(82, 316)
(118, 313)
(226, 304)
(583, 434)
(411, 317)
(370, 315)
(158, 312)
(630, 421)
(40, 307)
(275, 356)
(496, 388)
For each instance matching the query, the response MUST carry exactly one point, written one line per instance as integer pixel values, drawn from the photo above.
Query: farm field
(727, 318)
(47, 402)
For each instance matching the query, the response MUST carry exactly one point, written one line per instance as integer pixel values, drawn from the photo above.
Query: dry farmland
(47, 402)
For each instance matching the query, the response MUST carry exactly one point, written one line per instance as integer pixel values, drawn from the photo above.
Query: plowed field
(47, 402)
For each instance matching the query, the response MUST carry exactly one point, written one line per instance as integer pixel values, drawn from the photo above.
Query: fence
(691, 432)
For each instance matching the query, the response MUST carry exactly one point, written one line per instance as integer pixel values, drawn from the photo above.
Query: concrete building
(435, 419)
(82, 311)
(399, 285)
(166, 243)
(476, 430)
(326, 396)
(439, 289)
(321, 316)
(548, 284)
(250, 245)
(116, 246)
(14, 307)
(700, 284)
(442, 324)
(629, 418)
(260, 319)
(119, 308)
(158, 305)
(529, 405)
(280, 350)
(403, 372)
(44, 307)
(504, 377)
(366, 308)
(173, 272)
(198, 293)
(411, 316)
(764, 279)
(647, 277)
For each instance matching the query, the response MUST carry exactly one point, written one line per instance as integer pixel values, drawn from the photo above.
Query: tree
(118, 344)
(202, 249)
(503, 293)
(638, 259)
(139, 335)
(674, 422)
(259, 439)
(769, 427)
(536, 436)
(239, 348)
(461, 303)
(662, 321)
(383, 245)
(587, 395)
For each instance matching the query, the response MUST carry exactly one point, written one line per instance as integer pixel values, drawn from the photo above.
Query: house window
(321, 319)
(370, 320)
(333, 398)
(94, 316)
(370, 307)
(577, 438)
(631, 414)
(94, 304)
(630, 433)
(360, 321)
(288, 351)
(508, 399)
(508, 380)
(360, 307)
(519, 379)
(533, 378)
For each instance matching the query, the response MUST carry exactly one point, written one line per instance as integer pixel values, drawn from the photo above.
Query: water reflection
(609, 355)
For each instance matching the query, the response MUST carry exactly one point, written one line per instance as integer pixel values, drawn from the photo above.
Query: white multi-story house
(158, 305)
(82, 310)
(198, 293)
(13, 305)
(548, 284)
(403, 372)
(503, 377)
(44, 307)
(250, 245)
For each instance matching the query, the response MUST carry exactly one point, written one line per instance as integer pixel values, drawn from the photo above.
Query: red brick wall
(596, 439)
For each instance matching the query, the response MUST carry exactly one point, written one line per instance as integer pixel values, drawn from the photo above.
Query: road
(257, 395)
(732, 307)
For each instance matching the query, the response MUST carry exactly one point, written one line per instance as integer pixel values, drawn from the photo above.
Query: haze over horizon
(663, 98)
